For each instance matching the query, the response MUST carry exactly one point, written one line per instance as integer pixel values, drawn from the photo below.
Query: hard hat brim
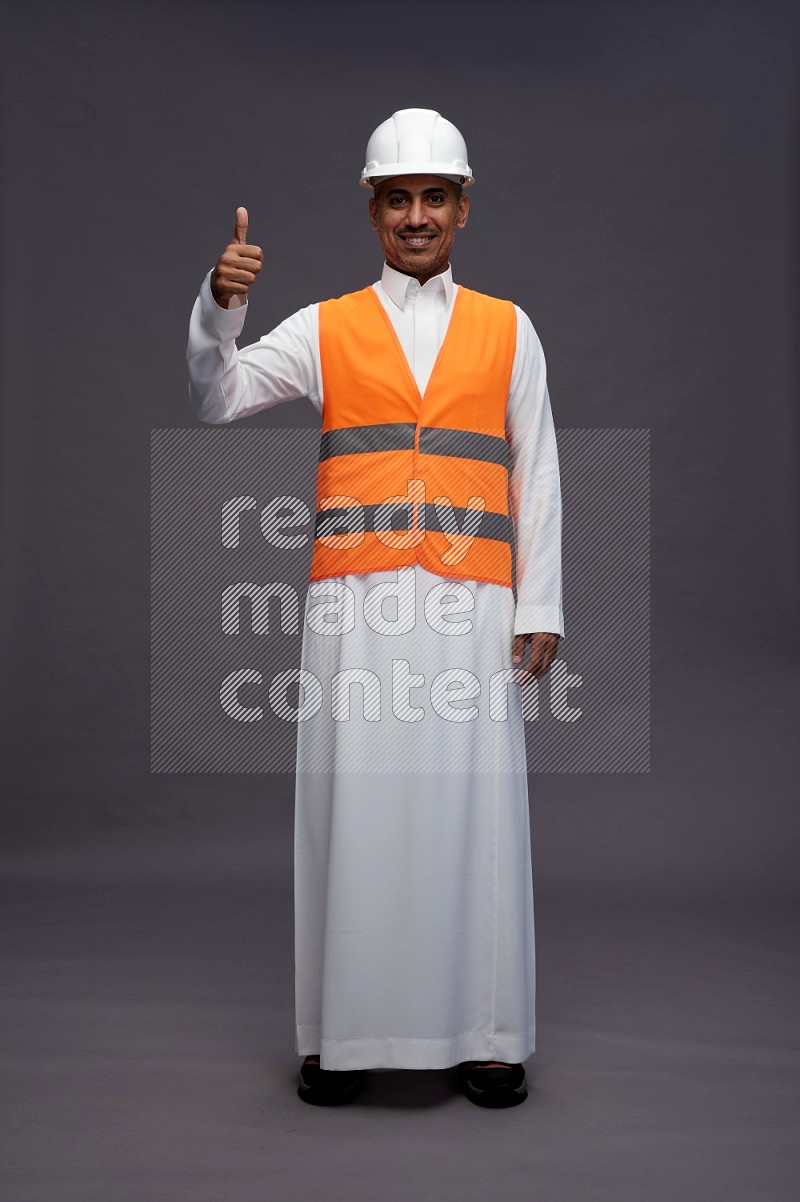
(389, 170)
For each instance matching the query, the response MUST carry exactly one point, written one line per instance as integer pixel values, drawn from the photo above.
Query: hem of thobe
(344, 1054)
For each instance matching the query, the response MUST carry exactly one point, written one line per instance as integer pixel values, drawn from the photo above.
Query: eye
(436, 198)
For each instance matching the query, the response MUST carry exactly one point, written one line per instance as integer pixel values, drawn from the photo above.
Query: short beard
(412, 267)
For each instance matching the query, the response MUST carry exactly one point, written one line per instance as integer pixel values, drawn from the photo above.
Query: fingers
(240, 229)
(540, 658)
(543, 652)
(233, 260)
(534, 653)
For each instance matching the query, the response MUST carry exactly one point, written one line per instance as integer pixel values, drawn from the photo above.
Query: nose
(416, 215)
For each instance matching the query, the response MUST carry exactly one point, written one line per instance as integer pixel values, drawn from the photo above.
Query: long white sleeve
(226, 383)
(535, 488)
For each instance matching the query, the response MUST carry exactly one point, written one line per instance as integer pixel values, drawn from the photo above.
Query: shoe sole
(329, 1097)
(497, 1097)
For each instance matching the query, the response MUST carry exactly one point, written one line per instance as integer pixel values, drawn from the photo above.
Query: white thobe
(414, 933)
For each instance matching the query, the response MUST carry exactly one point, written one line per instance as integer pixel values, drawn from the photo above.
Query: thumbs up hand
(238, 265)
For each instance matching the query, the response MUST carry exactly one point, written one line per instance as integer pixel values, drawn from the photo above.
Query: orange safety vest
(405, 477)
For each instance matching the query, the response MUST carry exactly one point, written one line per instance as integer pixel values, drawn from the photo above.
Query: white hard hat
(416, 142)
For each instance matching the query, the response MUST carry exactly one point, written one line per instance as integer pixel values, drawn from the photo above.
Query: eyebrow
(405, 192)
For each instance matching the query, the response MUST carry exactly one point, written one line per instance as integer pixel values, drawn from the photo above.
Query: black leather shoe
(329, 1087)
(495, 1087)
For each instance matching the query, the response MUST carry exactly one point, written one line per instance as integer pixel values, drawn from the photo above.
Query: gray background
(637, 195)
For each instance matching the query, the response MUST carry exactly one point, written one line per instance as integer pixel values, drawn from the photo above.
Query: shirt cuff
(536, 619)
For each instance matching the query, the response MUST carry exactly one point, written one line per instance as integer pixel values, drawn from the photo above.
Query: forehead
(414, 185)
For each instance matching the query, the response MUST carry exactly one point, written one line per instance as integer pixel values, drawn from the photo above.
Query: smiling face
(416, 218)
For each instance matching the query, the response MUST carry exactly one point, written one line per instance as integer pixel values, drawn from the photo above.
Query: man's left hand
(535, 652)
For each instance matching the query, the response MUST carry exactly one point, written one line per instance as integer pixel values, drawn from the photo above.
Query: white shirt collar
(395, 284)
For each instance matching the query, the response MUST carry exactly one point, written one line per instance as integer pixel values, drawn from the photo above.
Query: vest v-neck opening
(398, 346)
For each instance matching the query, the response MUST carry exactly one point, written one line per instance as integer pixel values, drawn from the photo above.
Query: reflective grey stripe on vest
(399, 436)
(464, 444)
(358, 440)
(337, 521)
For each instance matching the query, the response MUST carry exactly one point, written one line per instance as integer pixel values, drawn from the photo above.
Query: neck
(414, 275)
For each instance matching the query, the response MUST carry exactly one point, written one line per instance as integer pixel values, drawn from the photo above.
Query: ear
(463, 212)
(373, 212)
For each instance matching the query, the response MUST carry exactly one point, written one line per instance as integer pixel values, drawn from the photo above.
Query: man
(413, 883)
